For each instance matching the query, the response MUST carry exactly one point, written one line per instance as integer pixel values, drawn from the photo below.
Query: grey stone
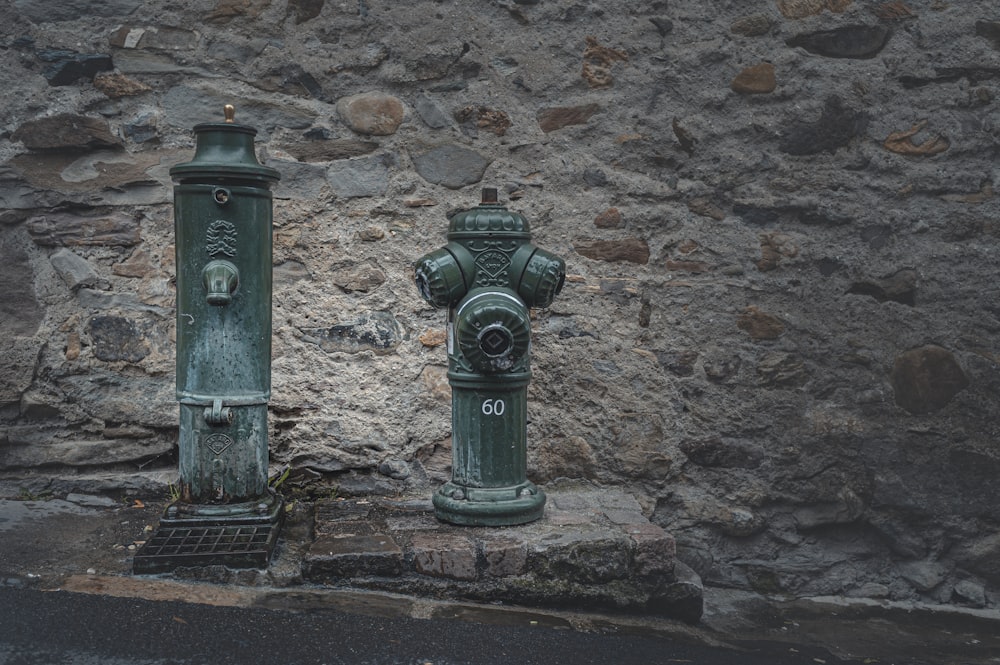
(681, 599)
(851, 41)
(360, 177)
(91, 500)
(971, 593)
(924, 575)
(17, 364)
(925, 379)
(100, 300)
(119, 398)
(41, 11)
(83, 453)
(117, 338)
(451, 166)
(395, 468)
(154, 37)
(587, 555)
(77, 271)
(373, 331)
(68, 67)
(431, 113)
(302, 182)
(20, 310)
(982, 557)
(836, 127)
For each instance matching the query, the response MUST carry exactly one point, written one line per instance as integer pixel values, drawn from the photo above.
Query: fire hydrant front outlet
(489, 275)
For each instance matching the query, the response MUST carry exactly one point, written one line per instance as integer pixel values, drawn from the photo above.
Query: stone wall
(779, 329)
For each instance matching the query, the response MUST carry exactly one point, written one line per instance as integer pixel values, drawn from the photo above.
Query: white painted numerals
(494, 407)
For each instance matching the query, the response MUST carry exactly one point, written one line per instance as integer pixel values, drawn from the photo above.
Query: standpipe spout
(221, 279)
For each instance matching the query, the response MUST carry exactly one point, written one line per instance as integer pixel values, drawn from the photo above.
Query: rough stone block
(442, 554)
(655, 549)
(582, 555)
(354, 556)
(504, 556)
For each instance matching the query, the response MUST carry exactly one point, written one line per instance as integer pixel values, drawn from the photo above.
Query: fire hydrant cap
(224, 150)
(489, 219)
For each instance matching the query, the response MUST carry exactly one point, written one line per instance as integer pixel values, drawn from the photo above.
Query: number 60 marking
(494, 407)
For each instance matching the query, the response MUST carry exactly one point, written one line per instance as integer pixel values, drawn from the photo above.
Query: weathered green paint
(222, 224)
(489, 275)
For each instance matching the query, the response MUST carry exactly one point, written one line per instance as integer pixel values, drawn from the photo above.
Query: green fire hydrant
(222, 225)
(488, 276)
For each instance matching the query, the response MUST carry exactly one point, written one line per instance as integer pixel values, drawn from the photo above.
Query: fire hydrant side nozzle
(489, 275)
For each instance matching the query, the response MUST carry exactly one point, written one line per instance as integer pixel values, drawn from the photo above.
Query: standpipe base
(493, 506)
(233, 535)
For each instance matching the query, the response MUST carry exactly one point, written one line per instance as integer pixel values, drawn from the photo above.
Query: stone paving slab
(592, 548)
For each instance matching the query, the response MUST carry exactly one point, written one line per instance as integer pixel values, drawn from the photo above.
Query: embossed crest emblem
(221, 238)
(218, 443)
(493, 262)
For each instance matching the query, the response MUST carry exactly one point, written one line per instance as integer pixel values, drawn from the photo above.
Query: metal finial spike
(230, 111)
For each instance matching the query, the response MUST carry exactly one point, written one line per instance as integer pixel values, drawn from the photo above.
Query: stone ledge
(592, 548)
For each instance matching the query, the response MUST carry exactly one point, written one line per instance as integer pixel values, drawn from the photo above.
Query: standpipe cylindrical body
(489, 275)
(222, 224)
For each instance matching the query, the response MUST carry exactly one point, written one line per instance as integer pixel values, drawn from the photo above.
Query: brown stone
(926, 378)
(760, 325)
(781, 370)
(902, 142)
(137, 265)
(609, 219)
(755, 80)
(482, 117)
(433, 337)
(73, 346)
(706, 208)
(116, 85)
(362, 278)
(751, 26)
(371, 113)
(773, 248)
(435, 381)
(553, 118)
(895, 10)
(631, 250)
(597, 63)
(329, 150)
(68, 230)
(562, 457)
(65, 131)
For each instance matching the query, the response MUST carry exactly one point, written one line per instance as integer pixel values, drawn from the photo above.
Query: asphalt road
(57, 627)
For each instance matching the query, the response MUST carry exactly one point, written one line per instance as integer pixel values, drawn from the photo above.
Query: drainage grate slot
(235, 546)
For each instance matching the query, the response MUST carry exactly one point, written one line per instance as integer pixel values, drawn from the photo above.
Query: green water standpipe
(488, 276)
(222, 224)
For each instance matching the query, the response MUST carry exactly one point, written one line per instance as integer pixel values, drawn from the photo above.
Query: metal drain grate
(235, 546)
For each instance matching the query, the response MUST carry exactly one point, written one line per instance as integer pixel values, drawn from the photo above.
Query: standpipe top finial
(230, 111)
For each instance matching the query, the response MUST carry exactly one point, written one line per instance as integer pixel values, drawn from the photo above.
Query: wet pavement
(83, 545)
